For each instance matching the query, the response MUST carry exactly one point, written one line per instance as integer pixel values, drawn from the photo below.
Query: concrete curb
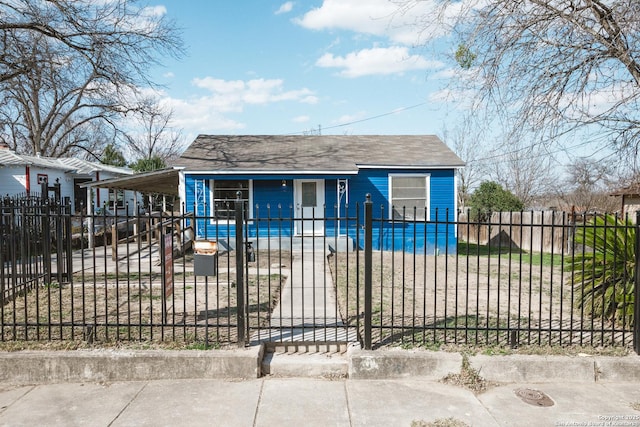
(46, 367)
(528, 368)
(388, 364)
(429, 365)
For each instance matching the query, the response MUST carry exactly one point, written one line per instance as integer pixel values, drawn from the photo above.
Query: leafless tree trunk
(69, 66)
(53, 105)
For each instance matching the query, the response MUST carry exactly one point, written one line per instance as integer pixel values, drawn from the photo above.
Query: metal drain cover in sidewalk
(534, 397)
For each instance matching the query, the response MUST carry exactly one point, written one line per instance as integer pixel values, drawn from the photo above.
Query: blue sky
(264, 67)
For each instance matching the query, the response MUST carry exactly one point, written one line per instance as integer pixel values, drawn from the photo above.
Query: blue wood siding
(273, 200)
(421, 236)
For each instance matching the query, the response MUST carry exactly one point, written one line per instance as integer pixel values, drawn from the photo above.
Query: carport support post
(239, 211)
(636, 290)
(368, 258)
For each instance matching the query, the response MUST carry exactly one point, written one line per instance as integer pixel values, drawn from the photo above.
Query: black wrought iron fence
(191, 280)
(497, 292)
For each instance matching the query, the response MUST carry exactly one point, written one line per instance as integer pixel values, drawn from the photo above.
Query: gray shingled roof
(330, 153)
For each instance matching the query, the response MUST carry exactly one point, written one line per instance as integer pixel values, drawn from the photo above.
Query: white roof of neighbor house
(67, 164)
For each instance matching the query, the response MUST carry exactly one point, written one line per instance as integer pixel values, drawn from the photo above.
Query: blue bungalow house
(315, 184)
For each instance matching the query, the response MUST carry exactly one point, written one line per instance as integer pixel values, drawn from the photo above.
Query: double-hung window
(409, 196)
(224, 196)
(116, 199)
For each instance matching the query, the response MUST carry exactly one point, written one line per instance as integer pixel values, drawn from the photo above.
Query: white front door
(309, 199)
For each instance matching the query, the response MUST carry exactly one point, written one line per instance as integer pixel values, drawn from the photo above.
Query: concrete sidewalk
(314, 402)
(307, 309)
(381, 388)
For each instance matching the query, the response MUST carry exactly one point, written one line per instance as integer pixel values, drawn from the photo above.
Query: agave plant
(602, 269)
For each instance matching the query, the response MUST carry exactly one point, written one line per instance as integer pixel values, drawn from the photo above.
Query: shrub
(602, 271)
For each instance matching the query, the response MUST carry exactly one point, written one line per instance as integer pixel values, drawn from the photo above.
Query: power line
(547, 153)
(397, 110)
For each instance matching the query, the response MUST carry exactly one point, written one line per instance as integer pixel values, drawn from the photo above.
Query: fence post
(368, 265)
(69, 243)
(239, 217)
(46, 240)
(636, 290)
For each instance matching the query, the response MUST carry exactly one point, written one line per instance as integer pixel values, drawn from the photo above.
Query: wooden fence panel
(532, 231)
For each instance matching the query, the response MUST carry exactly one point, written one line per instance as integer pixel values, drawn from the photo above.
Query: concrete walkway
(314, 402)
(307, 309)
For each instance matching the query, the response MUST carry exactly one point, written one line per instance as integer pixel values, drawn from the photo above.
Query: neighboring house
(324, 177)
(22, 175)
(630, 200)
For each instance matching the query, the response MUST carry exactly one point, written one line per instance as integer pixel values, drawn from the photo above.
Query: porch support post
(239, 217)
(368, 265)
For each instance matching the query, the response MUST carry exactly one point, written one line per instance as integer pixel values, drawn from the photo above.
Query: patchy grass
(472, 249)
(468, 377)
(537, 350)
(440, 422)
(68, 345)
(516, 255)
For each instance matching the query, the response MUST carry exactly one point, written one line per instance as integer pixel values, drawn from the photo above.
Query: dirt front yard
(504, 300)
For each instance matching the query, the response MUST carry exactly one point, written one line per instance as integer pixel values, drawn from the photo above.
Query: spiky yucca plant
(602, 269)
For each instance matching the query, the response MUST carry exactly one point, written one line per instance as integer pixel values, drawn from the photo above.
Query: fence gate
(288, 293)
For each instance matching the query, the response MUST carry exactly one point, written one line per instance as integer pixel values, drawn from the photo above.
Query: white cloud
(376, 61)
(285, 8)
(401, 24)
(301, 119)
(209, 112)
(154, 11)
(233, 95)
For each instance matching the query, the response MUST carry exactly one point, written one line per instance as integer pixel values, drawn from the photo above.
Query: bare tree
(118, 39)
(151, 133)
(66, 65)
(551, 66)
(467, 141)
(51, 107)
(524, 169)
(587, 185)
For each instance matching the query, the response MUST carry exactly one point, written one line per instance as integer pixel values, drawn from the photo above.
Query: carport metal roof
(164, 181)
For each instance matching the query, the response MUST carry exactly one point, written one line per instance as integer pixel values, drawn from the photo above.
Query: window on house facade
(116, 198)
(409, 196)
(224, 197)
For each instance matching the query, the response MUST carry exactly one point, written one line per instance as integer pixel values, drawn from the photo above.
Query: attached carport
(164, 181)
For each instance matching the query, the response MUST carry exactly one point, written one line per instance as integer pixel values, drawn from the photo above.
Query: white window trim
(427, 178)
(212, 204)
(113, 201)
